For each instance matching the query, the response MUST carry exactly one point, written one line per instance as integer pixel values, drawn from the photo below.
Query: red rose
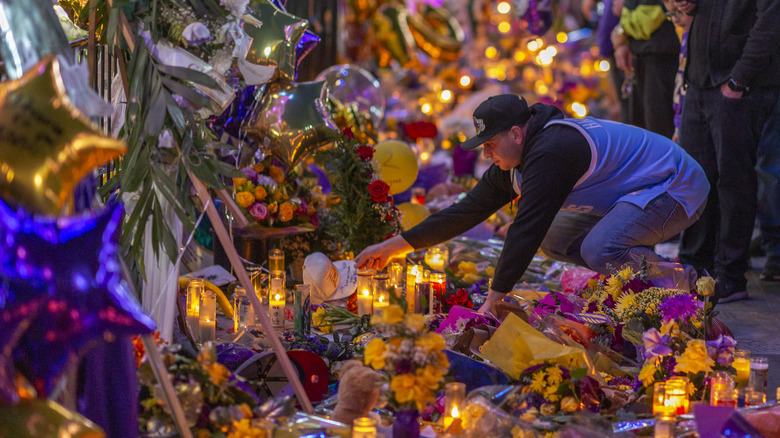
(378, 190)
(365, 152)
(348, 132)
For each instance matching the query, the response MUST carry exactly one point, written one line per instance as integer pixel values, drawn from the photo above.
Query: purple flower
(315, 220)
(654, 344)
(250, 173)
(196, 34)
(722, 350)
(637, 285)
(258, 210)
(679, 307)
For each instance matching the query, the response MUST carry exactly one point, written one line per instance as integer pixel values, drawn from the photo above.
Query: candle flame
(365, 292)
(455, 413)
(277, 297)
(381, 298)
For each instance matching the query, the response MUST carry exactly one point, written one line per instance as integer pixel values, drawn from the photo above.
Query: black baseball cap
(495, 115)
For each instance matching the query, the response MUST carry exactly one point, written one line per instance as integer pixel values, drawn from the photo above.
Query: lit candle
(412, 271)
(720, 383)
(742, 365)
(363, 427)
(454, 396)
(276, 307)
(207, 318)
(396, 273)
(381, 294)
(194, 289)
(365, 299)
(438, 288)
(436, 257)
(276, 298)
(664, 426)
(677, 395)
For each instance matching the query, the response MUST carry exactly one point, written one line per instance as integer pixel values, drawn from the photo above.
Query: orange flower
(260, 193)
(239, 181)
(245, 199)
(277, 174)
(272, 207)
(286, 212)
(259, 167)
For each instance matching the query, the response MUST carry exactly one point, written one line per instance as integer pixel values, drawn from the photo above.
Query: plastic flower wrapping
(411, 358)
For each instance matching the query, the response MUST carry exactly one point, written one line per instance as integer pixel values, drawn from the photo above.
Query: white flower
(196, 33)
(267, 181)
(236, 8)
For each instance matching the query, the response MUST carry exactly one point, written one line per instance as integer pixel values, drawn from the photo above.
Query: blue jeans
(625, 235)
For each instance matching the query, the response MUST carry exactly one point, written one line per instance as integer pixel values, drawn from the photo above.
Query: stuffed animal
(358, 391)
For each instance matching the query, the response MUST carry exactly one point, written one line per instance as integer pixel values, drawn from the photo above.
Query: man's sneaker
(727, 291)
(771, 270)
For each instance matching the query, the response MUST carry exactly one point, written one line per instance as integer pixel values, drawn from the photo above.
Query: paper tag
(482, 266)
(215, 274)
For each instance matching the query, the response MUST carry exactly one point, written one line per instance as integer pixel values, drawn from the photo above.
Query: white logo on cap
(479, 124)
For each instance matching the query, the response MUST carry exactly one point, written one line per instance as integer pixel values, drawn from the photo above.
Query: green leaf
(156, 112)
(188, 74)
(227, 170)
(578, 373)
(186, 92)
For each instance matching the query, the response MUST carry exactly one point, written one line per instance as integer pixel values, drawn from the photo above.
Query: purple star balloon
(72, 264)
(13, 323)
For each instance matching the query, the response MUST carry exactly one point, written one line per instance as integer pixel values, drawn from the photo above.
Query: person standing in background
(768, 169)
(733, 79)
(647, 49)
(607, 22)
(683, 23)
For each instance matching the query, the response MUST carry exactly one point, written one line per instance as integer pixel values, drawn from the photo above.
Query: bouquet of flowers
(215, 402)
(552, 389)
(270, 198)
(411, 358)
(365, 213)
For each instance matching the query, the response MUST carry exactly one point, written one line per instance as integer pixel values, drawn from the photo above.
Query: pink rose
(258, 210)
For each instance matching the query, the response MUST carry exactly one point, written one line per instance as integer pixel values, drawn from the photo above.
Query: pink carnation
(258, 210)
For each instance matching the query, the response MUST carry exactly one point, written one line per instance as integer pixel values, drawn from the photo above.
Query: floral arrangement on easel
(365, 213)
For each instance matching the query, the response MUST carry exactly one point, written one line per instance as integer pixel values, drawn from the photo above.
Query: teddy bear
(358, 391)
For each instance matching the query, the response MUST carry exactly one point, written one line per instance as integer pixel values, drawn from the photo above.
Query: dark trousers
(769, 185)
(722, 134)
(650, 103)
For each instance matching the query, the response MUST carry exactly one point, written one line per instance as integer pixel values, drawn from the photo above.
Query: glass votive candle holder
(381, 293)
(396, 273)
(438, 290)
(243, 312)
(422, 292)
(365, 295)
(665, 426)
(677, 394)
(194, 289)
(277, 298)
(724, 397)
(207, 319)
(437, 257)
(454, 401)
(659, 400)
(759, 373)
(720, 381)
(276, 260)
(754, 397)
(363, 427)
(742, 366)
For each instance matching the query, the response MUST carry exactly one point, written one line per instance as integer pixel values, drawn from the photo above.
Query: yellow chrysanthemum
(374, 354)
(415, 322)
(554, 376)
(431, 342)
(625, 305)
(260, 193)
(276, 174)
(694, 359)
(217, 372)
(319, 321)
(286, 212)
(404, 387)
(647, 374)
(465, 267)
(538, 384)
(393, 314)
(244, 429)
(245, 199)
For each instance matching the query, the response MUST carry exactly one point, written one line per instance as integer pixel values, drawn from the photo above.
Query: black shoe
(771, 270)
(727, 290)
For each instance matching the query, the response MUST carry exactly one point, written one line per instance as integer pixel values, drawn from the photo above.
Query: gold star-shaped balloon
(46, 145)
(275, 33)
(292, 120)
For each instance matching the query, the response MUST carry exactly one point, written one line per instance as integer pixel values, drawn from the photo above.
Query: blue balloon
(73, 265)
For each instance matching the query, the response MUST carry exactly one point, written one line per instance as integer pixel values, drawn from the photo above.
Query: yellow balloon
(412, 214)
(46, 144)
(396, 164)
